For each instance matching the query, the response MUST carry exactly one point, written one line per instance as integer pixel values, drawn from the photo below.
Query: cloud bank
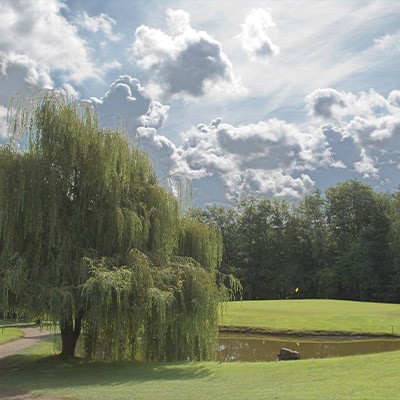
(342, 134)
(357, 134)
(266, 158)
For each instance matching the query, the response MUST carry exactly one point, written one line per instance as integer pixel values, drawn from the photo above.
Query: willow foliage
(89, 239)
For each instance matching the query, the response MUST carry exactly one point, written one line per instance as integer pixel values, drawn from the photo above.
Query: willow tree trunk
(70, 332)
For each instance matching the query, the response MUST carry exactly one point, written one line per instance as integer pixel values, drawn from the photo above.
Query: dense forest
(340, 244)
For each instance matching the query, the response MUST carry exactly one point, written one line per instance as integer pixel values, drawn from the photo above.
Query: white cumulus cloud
(184, 62)
(394, 98)
(333, 105)
(255, 35)
(368, 124)
(161, 150)
(19, 73)
(38, 30)
(366, 166)
(126, 99)
(326, 103)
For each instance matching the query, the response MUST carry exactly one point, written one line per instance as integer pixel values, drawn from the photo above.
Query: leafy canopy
(88, 236)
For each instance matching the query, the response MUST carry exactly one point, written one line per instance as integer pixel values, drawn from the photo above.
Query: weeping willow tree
(90, 241)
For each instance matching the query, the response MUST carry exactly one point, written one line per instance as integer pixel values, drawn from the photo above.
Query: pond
(242, 347)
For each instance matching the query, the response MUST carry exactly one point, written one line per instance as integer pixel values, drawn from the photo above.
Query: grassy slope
(360, 377)
(8, 334)
(315, 315)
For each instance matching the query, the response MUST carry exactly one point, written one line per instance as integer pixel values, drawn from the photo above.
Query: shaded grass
(8, 334)
(314, 316)
(358, 377)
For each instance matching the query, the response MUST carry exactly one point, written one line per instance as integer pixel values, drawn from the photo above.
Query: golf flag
(297, 290)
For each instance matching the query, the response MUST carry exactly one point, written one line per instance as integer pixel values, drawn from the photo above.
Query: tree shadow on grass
(33, 372)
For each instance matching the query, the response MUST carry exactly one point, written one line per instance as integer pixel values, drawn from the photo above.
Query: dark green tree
(264, 230)
(89, 240)
(394, 215)
(316, 274)
(342, 244)
(360, 234)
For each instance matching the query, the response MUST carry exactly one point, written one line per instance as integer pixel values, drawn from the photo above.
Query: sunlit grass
(315, 315)
(8, 334)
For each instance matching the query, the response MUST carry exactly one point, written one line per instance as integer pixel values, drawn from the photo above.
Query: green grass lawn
(374, 376)
(357, 377)
(315, 316)
(8, 334)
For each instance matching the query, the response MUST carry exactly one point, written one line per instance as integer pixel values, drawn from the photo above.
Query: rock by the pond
(288, 354)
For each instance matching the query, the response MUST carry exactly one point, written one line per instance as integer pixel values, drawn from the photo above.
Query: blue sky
(271, 98)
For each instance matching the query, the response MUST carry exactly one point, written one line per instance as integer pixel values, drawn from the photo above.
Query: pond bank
(253, 347)
(250, 330)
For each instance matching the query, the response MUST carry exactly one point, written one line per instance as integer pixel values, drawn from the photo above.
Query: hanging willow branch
(89, 238)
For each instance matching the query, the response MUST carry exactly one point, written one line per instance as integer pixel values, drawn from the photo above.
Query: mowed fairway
(314, 316)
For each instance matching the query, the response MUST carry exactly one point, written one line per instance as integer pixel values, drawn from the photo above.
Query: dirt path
(32, 336)
(15, 394)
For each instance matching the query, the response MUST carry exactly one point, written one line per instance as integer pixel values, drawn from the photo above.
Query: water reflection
(264, 348)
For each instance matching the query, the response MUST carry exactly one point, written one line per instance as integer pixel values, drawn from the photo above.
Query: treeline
(340, 244)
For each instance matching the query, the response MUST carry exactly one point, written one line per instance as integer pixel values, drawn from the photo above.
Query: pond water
(235, 347)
